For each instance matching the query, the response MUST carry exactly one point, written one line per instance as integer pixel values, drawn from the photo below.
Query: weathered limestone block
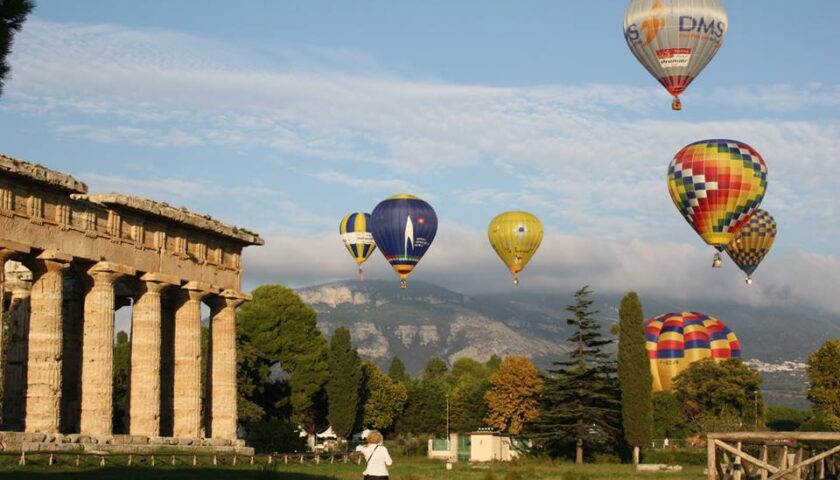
(187, 389)
(146, 324)
(43, 394)
(98, 349)
(222, 371)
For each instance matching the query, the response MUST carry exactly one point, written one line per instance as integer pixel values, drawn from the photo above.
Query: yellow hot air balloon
(752, 242)
(515, 236)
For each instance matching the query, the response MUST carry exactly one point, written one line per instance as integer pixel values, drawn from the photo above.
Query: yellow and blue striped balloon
(356, 235)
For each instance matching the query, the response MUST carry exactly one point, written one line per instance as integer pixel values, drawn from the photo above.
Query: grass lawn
(405, 469)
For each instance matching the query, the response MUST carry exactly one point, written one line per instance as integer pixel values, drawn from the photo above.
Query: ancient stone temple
(68, 260)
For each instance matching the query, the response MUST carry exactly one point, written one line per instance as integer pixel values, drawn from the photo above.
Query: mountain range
(426, 320)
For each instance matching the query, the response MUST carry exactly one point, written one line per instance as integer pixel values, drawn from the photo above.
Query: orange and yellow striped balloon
(676, 340)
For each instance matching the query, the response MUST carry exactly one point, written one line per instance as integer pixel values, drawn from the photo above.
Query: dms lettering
(710, 27)
(631, 34)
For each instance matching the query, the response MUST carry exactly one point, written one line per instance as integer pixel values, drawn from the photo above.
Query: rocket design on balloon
(403, 227)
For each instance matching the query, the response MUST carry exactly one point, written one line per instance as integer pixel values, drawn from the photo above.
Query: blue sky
(285, 116)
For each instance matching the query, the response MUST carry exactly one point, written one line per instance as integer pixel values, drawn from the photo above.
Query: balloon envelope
(355, 233)
(676, 340)
(752, 242)
(515, 236)
(675, 39)
(716, 185)
(403, 227)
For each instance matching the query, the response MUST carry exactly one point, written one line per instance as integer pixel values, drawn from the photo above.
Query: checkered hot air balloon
(676, 340)
(675, 39)
(404, 227)
(752, 242)
(717, 185)
(355, 233)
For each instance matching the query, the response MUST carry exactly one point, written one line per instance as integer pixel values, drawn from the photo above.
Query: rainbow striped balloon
(717, 185)
(676, 340)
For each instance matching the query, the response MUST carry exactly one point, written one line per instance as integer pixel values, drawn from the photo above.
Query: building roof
(40, 174)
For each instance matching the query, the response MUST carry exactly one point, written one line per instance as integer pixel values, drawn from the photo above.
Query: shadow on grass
(128, 473)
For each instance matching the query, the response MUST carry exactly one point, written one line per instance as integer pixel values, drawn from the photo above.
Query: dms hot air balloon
(675, 39)
(752, 242)
(355, 233)
(515, 236)
(717, 185)
(403, 227)
(676, 340)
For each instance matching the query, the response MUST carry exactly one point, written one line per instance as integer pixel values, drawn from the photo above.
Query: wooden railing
(777, 455)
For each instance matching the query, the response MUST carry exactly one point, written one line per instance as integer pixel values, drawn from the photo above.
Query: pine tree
(397, 370)
(580, 399)
(435, 369)
(634, 375)
(344, 385)
(12, 15)
(278, 328)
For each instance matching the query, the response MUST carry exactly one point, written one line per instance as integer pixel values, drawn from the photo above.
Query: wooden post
(153, 460)
(301, 459)
(194, 460)
(270, 460)
(711, 461)
(22, 458)
(173, 459)
(129, 460)
(736, 466)
(234, 460)
(764, 459)
(102, 460)
(51, 459)
(77, 459)
(215, 460)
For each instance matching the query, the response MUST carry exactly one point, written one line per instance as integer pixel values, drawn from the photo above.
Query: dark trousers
(376, 477)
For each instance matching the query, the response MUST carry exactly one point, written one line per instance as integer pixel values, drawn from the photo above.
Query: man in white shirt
(377, 458)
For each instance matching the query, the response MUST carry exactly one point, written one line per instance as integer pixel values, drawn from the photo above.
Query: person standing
(377, 458)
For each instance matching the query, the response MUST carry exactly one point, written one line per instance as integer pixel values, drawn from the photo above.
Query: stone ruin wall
(85, 256)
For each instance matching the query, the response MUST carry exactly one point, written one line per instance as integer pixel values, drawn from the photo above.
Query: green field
(414, 469)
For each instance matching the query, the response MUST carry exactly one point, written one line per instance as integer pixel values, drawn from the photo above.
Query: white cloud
(563, 264)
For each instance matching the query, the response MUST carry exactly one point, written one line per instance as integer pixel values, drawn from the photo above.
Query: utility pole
(755, 410)
(447, 420)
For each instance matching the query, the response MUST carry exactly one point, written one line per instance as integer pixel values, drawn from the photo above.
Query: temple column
(146, 326)
(221, 379)
(43, 389)
(14, 381)
(186, 409)
(7, 251)
(98, 349)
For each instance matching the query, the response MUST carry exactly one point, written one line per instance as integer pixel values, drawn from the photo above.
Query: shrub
(676, 456)
(274, 436)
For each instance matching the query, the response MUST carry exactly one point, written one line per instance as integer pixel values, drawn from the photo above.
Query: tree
(397, 370)
(345, 383)
(467, 405)
(122, 363)
(634, 375)
(721, 396)
(493, 363)
(467, 367)
(12, 15)
(824, 389)
(278, 329)
(580, 399)
(384, 398)
(425, 410)
(669, 420)
(435, 369)
(514, 395)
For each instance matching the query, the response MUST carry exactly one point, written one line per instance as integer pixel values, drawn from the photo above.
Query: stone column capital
(9, 248)
(52, 261)
(156, 282)
(198, 290)
(106, 273)
(229, 299)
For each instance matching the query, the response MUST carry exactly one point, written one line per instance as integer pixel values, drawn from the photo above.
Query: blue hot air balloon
(403, 227)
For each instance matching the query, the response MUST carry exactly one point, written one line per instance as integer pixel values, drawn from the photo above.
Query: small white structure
(443, 450)
(489, 445)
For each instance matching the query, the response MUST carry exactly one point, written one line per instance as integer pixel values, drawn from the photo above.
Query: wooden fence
(773, 455)
(100, 459)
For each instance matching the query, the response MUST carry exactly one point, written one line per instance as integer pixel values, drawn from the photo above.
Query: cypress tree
(634, 375)
(581, 404)
(397, 369)
(344, 384)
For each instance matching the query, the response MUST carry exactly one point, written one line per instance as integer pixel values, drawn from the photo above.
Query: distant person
(377, 459)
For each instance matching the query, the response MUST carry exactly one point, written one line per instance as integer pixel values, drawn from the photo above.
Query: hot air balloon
(515, 236)
(355, 233)
(675, 39)
(752, 242)
(676, 340)
(717, 185)
(403, 227)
